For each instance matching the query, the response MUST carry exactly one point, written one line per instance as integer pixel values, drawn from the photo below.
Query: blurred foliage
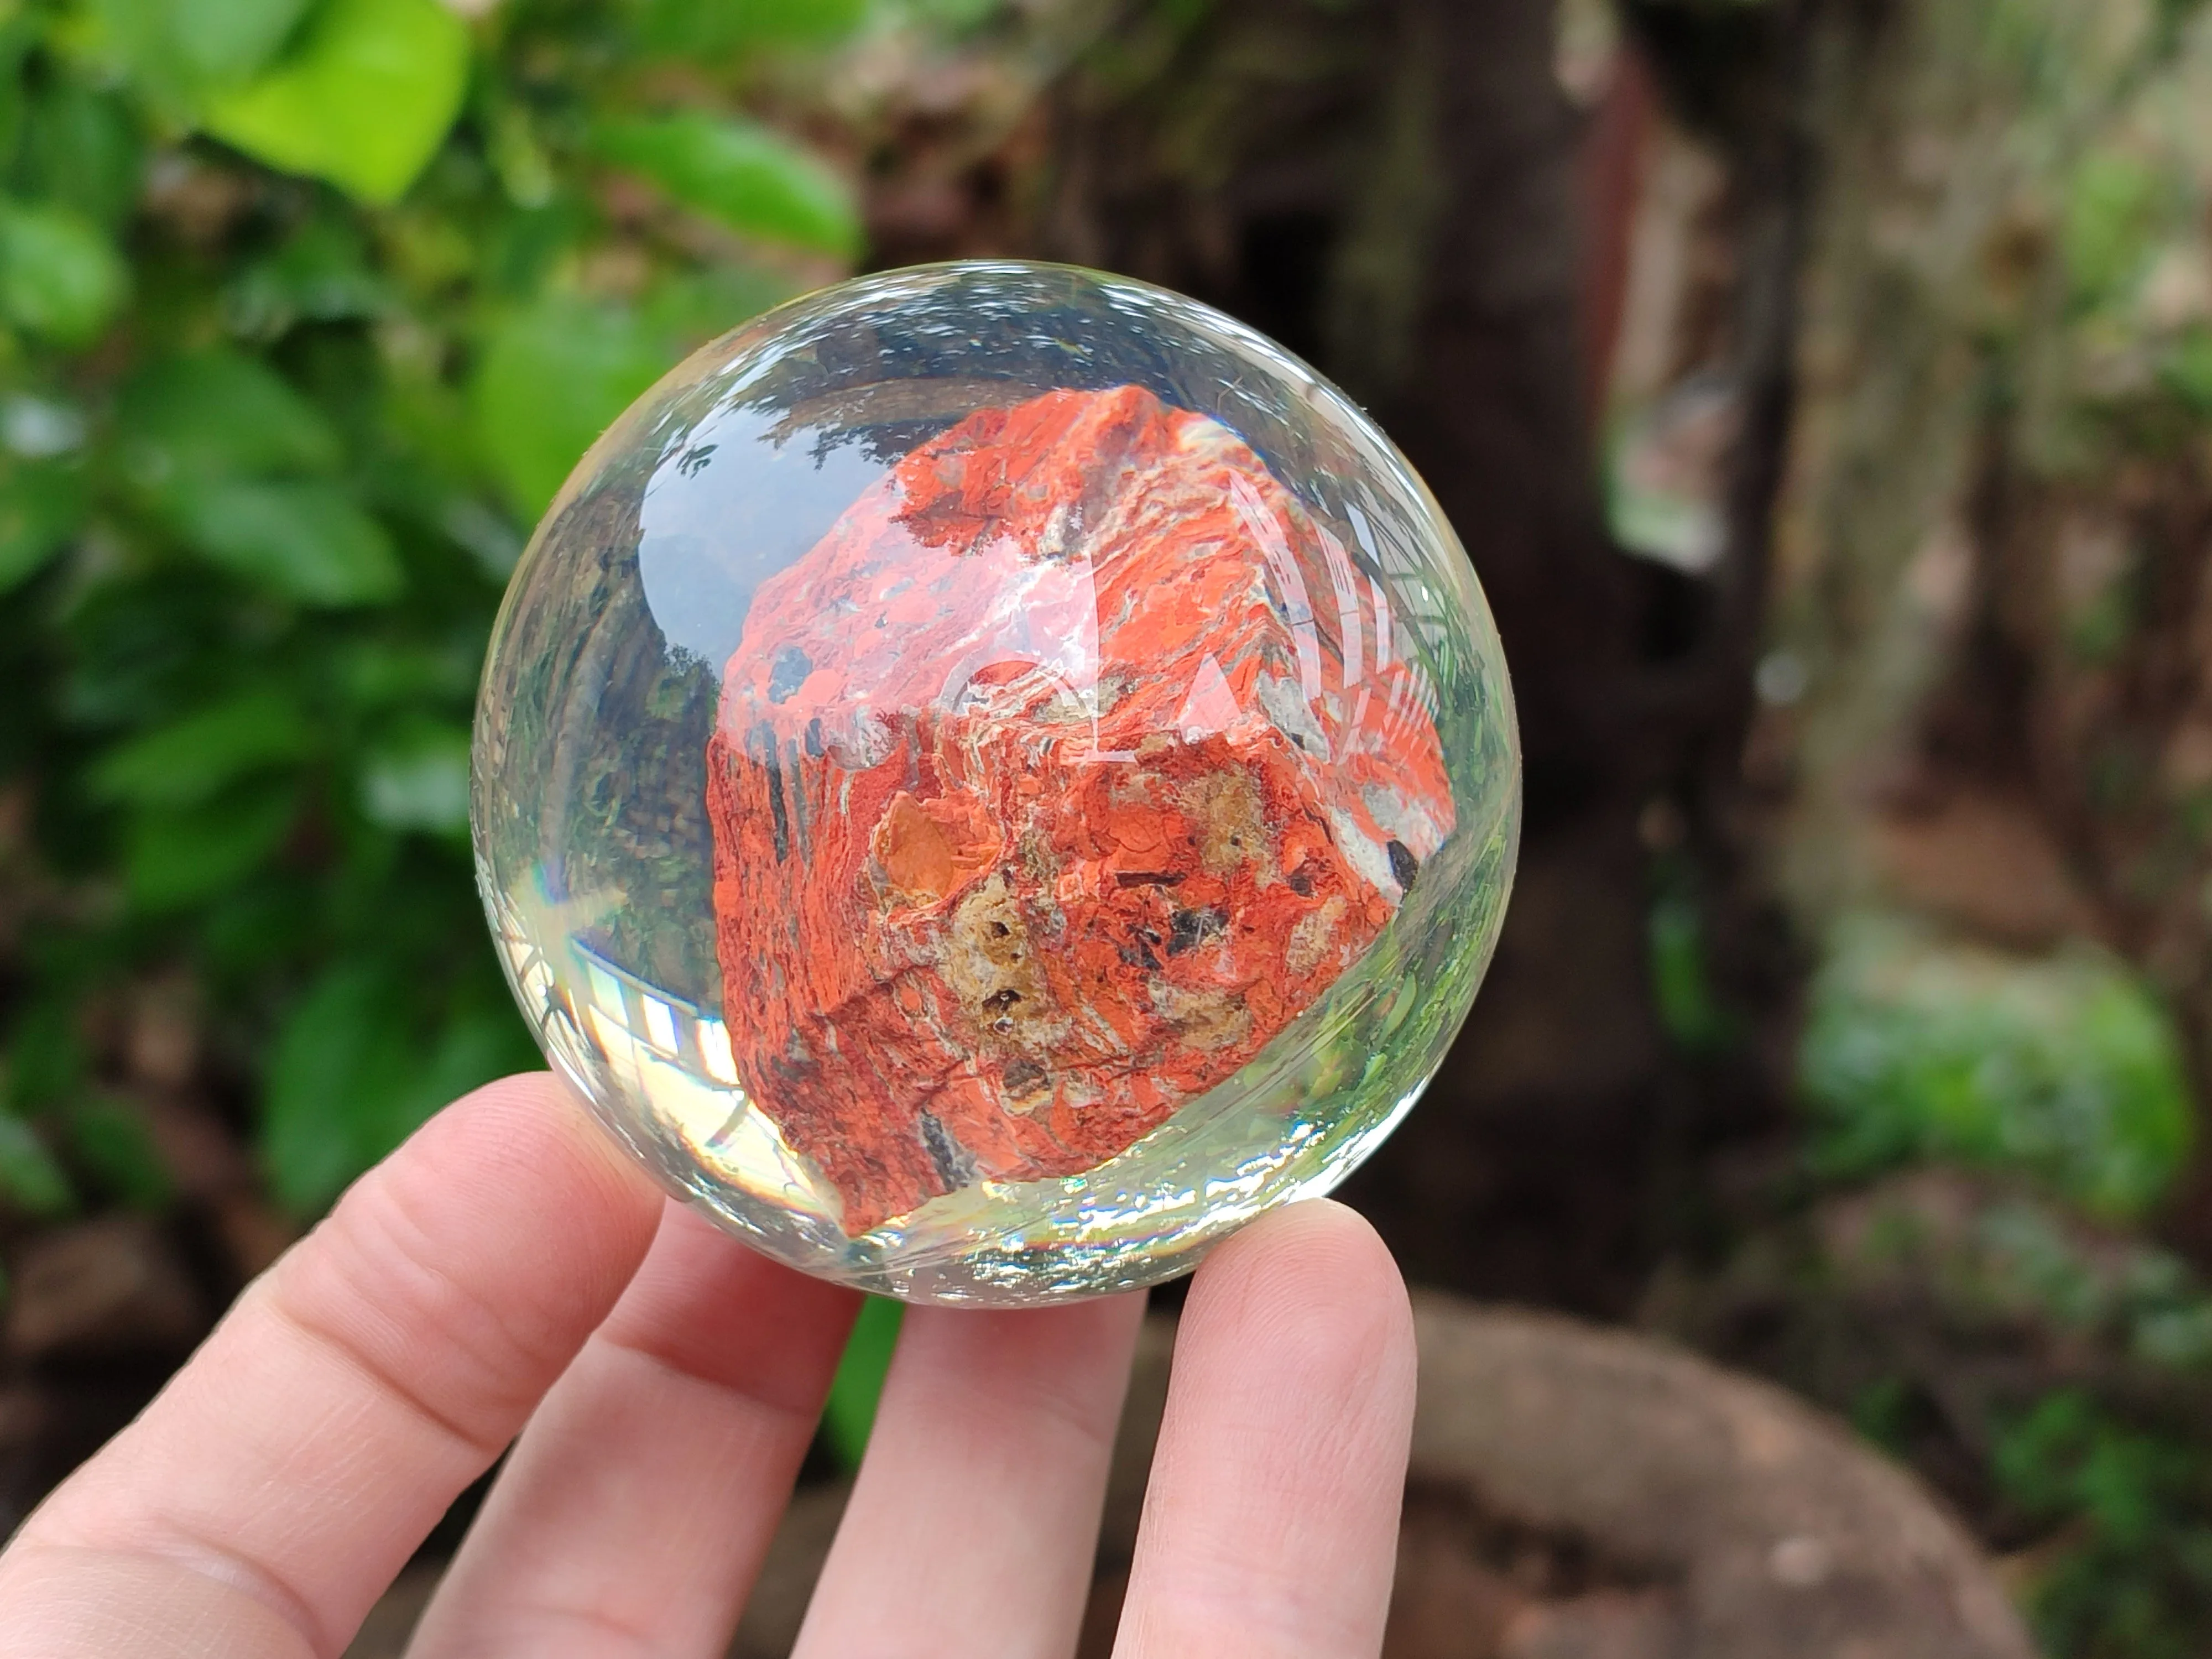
(2139, 1507)
(2060, 1076)
(2064, 1071)
(307, 308)
(849, 1415)
(2063, 1066)
(1995, 1256)
(2081, 147)
(2050, 1374)
(1677, 958)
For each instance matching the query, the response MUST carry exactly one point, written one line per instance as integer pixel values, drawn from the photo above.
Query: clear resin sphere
(991, 775)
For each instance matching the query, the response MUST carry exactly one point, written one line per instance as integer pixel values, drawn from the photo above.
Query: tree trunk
(1992, 621)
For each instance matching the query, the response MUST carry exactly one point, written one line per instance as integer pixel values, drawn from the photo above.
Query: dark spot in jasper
(795, 1071)
(761, 744)
(1403, 864)
(1187, 929)
(1301, 882)
(1024, 1077)
(788, 673)
(998, 1001)
(955, 1168)
(1148, 879)
(1138, 955)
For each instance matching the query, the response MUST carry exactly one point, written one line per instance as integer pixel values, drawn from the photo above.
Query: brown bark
(1995, 530)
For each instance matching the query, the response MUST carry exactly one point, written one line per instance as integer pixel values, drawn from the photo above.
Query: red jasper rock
(1054, 780)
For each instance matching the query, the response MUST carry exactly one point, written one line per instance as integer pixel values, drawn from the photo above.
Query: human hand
(507, 1272)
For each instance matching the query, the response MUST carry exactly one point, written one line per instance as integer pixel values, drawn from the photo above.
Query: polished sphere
(991, 775)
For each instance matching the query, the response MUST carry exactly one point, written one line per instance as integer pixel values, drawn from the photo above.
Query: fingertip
(530, 1133)
(1313, 1232)
(516, 1120)
(1319, 1268)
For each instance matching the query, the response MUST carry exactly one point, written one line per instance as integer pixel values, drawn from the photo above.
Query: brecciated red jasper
(1067, 769)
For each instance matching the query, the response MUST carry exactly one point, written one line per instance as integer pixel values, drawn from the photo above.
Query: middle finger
(972, 1524)
(637, 1507)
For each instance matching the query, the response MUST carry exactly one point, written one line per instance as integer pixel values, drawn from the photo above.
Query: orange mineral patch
(1063, 772)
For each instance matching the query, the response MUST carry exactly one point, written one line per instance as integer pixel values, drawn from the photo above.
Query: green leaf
(1682, 981)
(488, 533)
(377, 673)
(339, 1063)
(178, 50)
(364, 101)
(2063, 1066)
(176, 858)
(39, 428)
(31, 1181)
(2110, 221)
(552, 377)
(950, 19)
(187, 420)
(725, 28)
(421, 782)
(199, 756)
(752, 178)
(849, 1414)
(47, 1063)
(81, 150)
(111, 1142)
(321, 274)
(2186, 371)
(304, 539)
(692, 307)
(225, 40)
(358, 1068)
(60, 277)
(42, 507)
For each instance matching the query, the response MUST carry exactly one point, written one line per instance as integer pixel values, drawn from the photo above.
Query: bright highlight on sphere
(991, 775)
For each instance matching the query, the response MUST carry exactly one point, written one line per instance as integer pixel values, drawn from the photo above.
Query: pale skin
(507, 1277)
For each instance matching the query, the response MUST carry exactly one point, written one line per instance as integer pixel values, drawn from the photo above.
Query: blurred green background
(311, 306)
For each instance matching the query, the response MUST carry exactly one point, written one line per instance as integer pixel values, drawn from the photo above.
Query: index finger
(269, 1494)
